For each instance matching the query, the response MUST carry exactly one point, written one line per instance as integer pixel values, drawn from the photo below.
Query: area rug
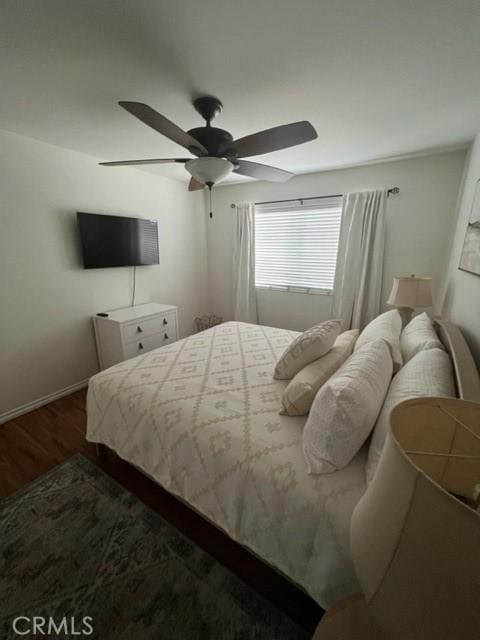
(80, 553)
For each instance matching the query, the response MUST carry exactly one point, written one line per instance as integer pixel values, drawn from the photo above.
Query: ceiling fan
(217, 153)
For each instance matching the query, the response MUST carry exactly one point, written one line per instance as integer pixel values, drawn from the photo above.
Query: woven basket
(206, 322)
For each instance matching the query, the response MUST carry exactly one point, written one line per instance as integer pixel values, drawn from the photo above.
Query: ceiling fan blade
(195, 185)
(282, 137)
(261, 171)
(127, 163)
(164, 126)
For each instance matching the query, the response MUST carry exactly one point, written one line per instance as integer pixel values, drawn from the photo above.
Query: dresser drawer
(143, 345)
(137, 330)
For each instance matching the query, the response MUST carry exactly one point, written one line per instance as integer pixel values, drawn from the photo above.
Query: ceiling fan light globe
(209, 169)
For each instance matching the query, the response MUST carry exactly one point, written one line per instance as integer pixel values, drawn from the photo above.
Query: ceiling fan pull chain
(210, 185)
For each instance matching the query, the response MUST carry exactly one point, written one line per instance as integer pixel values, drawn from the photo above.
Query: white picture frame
(470, 258)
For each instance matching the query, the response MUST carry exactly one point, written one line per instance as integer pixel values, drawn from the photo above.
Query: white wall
(421, 219)
(462, 289)
(46, 298)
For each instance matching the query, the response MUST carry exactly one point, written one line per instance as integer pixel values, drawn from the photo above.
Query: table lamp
(415, 534)
(410, 293)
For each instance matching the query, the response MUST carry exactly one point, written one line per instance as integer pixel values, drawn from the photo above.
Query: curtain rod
(393, 190)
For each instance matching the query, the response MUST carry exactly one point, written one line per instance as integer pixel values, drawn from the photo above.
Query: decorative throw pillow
(418, 335)
(429, 373)
(389, 327)
(346, 407)
(302, 389)
(308, 346)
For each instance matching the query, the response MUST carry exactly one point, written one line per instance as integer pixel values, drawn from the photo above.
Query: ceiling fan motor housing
(213, 139)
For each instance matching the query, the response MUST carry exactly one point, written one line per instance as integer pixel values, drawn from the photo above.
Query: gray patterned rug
(75, 543)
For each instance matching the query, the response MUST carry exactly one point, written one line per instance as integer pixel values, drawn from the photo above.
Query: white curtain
(358, 278)
(244, 265)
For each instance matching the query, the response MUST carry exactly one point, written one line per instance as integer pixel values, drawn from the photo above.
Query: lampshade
(416, 547)
(411, 292)
(209, 169)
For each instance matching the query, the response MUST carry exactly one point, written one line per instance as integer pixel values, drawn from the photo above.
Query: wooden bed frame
(467, 380)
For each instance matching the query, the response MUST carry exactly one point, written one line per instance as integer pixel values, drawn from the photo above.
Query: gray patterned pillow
(346, 407)
(303, 387)
(307, 347)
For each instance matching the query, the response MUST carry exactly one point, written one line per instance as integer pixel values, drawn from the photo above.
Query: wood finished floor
(32, 444)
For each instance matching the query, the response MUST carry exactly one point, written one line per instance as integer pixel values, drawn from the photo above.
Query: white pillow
(429, 373)
(418, 335)
(302, 388)
(346, 407)
(387, 326)
(308, 346)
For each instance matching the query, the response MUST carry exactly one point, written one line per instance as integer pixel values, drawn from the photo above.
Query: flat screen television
(117, 241)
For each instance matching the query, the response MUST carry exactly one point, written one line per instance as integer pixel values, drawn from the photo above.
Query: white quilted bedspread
(201, 417)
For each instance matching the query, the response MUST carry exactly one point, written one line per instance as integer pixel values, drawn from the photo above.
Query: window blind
(296, 245)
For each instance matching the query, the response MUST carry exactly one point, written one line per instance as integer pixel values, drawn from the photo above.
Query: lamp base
(350, 619)
(406, 314)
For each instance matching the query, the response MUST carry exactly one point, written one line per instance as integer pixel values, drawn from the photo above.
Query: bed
(200, 417)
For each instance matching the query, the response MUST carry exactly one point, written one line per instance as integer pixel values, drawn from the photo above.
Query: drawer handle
(166, 336)
(165, 321)
(139, 329)
(140, 345)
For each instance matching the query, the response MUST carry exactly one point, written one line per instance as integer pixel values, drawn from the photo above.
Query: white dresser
(129, 332)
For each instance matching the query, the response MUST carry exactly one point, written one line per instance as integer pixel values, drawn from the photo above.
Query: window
(296, 245)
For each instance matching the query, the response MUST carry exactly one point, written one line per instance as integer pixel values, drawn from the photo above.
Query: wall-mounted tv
(117, 241)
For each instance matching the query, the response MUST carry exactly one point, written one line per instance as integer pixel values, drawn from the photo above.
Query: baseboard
(39, 402)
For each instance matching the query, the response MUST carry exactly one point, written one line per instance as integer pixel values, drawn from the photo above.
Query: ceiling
(377, 78)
